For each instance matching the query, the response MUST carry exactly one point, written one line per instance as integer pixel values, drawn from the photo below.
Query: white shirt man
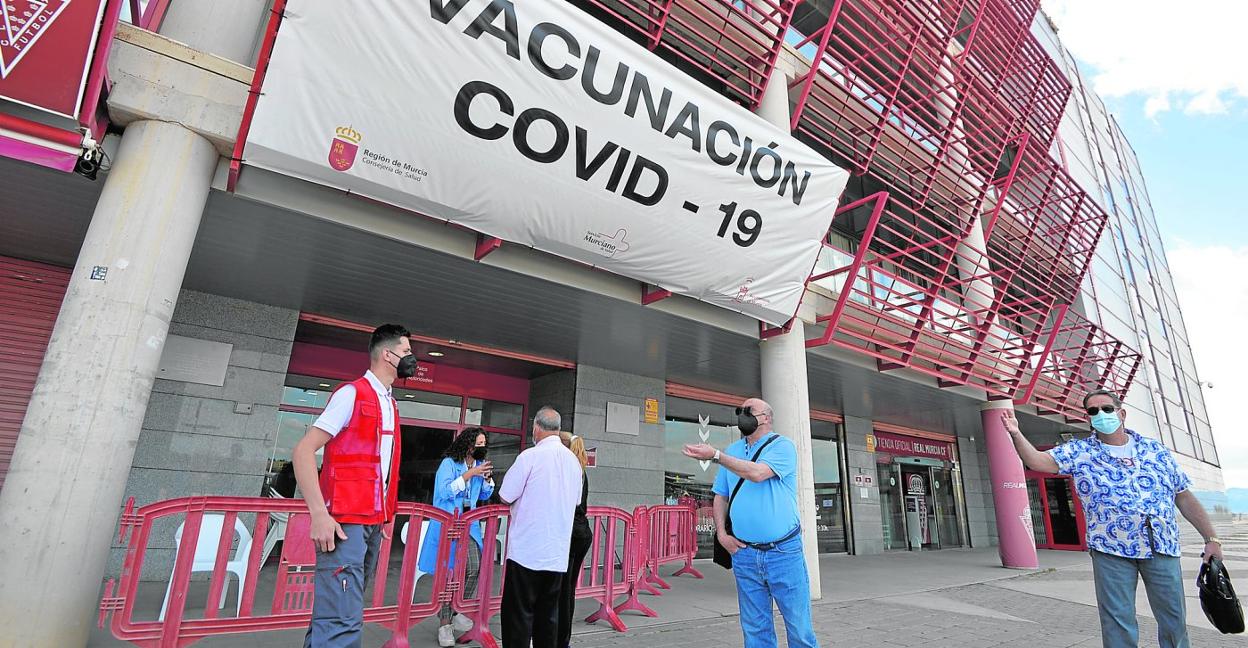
(543, 488)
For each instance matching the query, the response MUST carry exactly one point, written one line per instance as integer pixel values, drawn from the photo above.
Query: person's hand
(483, 468)
(1212, 550)
(1011, 422)
(730, 543)
(700, 451)
(325, 530)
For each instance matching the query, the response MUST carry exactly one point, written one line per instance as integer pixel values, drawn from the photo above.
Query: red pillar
(1009, 490)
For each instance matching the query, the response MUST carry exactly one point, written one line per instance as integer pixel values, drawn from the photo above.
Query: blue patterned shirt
(1125, 499)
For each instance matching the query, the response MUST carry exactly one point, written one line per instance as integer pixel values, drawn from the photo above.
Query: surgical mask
(1106, 423)
(406, 368)
(479, 452)
(747, 423)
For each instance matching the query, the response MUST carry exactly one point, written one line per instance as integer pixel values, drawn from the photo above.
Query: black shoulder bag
(722, 557)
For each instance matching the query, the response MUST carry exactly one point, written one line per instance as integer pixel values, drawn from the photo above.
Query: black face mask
(746, 422)
(479, 452)
(406, 368)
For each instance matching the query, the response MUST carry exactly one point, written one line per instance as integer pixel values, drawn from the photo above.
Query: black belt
(768, 546)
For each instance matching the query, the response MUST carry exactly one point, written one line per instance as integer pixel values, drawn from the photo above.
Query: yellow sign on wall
(652, 411)
(870, 443)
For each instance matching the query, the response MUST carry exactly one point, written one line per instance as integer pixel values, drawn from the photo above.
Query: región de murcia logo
(22, 22)
(343, 147)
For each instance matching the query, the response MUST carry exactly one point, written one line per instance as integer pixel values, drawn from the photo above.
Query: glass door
(892, 508)
(1057, 515)
(948, 523)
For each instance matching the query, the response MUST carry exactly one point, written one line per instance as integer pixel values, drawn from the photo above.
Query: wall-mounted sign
(424, 373)
(864, 480)
(652, 410)
(904, 446)
(533, 122)
(623, 418)
(870, 443)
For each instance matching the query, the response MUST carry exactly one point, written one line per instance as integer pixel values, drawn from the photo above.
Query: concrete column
(785, 388)
(784, 376)
(228, 28)
(1017, 544)
(63, 492)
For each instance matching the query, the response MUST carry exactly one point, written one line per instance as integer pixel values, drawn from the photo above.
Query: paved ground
(938, 599)
(1053, 608)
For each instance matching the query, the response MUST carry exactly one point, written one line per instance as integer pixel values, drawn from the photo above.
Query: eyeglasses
(746, 410)
(1108, 409)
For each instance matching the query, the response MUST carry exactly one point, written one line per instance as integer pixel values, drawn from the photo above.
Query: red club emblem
(22, 22)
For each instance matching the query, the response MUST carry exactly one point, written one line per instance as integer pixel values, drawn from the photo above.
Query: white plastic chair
(276, 531)
(420, 543)
(206, 556)
(501, 539)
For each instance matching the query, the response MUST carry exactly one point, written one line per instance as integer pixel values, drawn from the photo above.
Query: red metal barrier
(616, 563)
(670, 538)
(292, 590)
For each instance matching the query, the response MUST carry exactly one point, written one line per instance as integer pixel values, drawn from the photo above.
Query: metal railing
(617, 560)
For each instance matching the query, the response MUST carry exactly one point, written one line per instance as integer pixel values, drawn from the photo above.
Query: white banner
(530, 121)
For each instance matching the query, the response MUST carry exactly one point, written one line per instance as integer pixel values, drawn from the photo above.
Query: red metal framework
(1043, 239)
(928, 302)
(897, 87)
(731, 44)
(1078, 356)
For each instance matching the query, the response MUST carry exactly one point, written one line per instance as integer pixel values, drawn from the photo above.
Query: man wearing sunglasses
(766, 539)
(1130, 486)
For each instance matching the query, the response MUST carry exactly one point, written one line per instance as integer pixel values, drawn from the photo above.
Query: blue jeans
(341, 576)
(1116, 579)
(778, 575)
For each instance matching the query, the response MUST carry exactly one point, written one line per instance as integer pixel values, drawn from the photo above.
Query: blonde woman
(582, 538)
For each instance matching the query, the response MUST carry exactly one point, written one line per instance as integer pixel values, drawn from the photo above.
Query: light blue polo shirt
(765, 511)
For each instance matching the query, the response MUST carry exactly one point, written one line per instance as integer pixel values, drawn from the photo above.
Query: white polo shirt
(544, 488)
(338, 413)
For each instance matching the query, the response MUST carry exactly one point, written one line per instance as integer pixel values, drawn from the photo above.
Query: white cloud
(1190, 54)
(1212, 283)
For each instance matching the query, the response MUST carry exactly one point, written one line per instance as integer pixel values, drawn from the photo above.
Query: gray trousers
(341, 577)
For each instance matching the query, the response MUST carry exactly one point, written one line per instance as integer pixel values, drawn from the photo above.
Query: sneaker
(446, 636)
(461, 623)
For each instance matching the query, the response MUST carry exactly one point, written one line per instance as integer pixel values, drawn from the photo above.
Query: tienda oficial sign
(904, 446)
(46, 48)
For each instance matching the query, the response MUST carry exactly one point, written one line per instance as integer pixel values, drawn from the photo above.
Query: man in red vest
(357, 491)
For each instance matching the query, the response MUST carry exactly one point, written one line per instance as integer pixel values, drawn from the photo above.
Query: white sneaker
(461, 623)
(446, 636)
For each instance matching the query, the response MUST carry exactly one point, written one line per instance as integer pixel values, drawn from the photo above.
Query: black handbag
(1217, 598)
(722, 557)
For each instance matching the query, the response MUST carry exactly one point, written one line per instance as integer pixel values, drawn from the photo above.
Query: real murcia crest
(22, 22)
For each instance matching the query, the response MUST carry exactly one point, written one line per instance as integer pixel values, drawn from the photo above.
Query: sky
(1177, 81)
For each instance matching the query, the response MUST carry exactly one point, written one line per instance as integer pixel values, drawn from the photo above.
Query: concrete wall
(557, 390)
(868, 529)
(630, 468)
(207, 440)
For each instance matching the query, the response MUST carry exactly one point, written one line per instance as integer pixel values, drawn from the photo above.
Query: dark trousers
(530, 607)
(567, 597)
(341, 576)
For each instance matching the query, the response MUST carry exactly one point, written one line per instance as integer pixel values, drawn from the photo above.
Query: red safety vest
(351, 480)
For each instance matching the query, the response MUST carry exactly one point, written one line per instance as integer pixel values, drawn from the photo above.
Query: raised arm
(1032, 458)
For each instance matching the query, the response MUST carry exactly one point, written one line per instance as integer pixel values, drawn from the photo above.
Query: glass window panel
(428, 406)
(685, 479)
(488, 413)
(291, 426)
